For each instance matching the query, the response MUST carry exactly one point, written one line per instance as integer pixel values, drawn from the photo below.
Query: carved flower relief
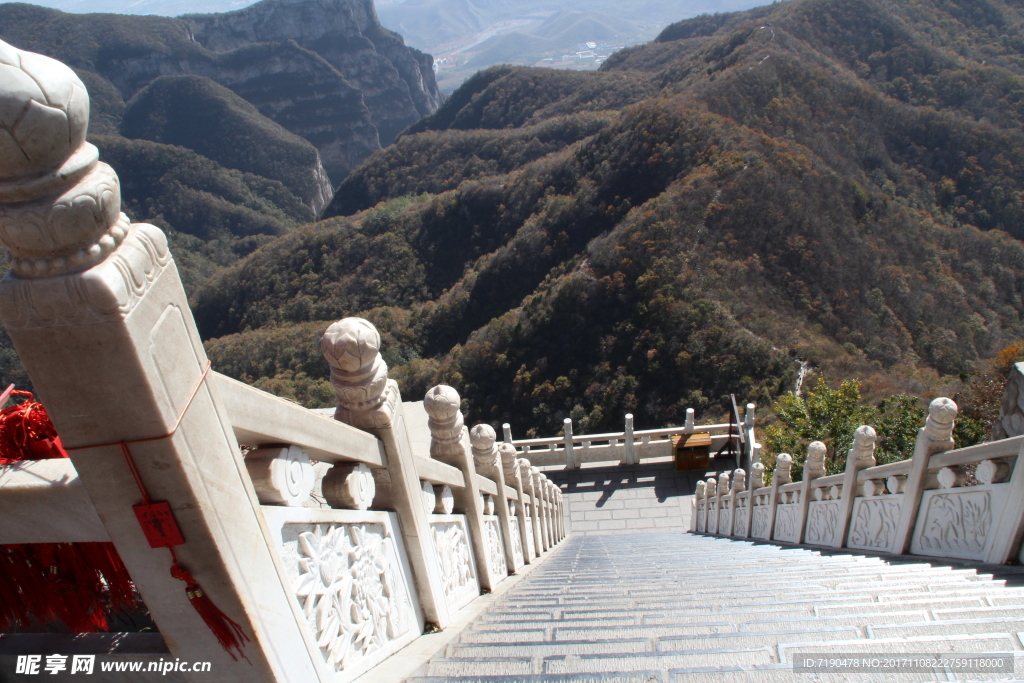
(517, 541)
(495, 549)
(786, 520)
(822, 522)
(874, 524)
(957, 522)
(738, 520)
(759, 524)
(351, 591)
(452, 548)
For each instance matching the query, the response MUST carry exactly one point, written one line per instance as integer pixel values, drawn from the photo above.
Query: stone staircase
(683, 608)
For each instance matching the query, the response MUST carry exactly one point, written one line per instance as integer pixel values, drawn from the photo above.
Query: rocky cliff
(397, 82)
(324, 70)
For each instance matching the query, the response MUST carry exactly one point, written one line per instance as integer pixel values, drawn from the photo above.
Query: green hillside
(838, 182)
(209, 119)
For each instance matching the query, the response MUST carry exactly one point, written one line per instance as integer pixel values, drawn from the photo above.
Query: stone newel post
(449, 443)
(98, 316)
(487, 458)
(935, 437)
(513, 475)
(859, 457)
(368, 400)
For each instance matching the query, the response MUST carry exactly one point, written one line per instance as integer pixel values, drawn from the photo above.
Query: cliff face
(324, 70)
(396, 82)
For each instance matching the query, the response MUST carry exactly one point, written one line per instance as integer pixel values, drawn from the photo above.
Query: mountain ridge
(839, 182)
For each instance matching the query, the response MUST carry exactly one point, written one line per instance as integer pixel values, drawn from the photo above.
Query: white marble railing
(630, 447)
(322, 589)
(965, 503)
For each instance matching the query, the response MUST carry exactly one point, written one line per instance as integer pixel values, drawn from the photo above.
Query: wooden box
(691, 451)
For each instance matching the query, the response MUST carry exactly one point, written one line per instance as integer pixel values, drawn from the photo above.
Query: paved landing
(681, 608)
(622, 500)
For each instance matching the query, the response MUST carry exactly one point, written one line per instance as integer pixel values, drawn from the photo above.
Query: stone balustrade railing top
(928, 505)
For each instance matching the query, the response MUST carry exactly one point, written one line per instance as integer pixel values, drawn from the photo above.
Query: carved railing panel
(874, 524)
(822, 522)
(450, 534)
(958, 522)
(352, 584)
(787, 523)
(495, 548)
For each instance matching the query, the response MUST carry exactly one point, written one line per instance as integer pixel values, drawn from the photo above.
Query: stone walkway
(682, 608)
(620, 499)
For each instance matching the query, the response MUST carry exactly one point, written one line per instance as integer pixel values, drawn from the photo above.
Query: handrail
(438, 472)
(982, 451)
(637, 435)
(486, 485)
(882, 471)
(926, 505)
(259, 419)
(830, 480)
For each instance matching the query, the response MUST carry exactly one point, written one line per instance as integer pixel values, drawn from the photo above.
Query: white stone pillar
(859, 457)
(560, 516)
(629, 447)
(486, 453)
(935, 437)
(98, 316)
(368, 400)
(514, 466)
(570, 456)
(513, 479)
(526, 473)
(549, 517)
(537, 506)
(782, 474)
(555, 534)
(449, 443)
(814, 467)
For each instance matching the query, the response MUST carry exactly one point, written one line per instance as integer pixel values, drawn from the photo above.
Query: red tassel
(15, 575)
(26, 432)
(104, 557)
(228, 633)
(46, 581)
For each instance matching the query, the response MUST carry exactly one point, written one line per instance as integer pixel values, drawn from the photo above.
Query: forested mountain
(312, 87)
(228, 130)
(837, 181)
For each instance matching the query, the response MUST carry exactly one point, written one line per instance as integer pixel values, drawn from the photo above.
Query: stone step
(629, 677)
(949, 627)
(547, 648)
(957, 643)
(689, 629)
(886, 618)
(675, 608)
(486, 625)
(782, 673)
(589, 664)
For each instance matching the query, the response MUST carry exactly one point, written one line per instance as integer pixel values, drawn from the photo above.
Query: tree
(827, 415)
(832, 415)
